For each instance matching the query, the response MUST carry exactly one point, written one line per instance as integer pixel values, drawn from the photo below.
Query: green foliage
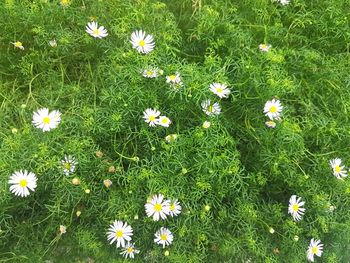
(233, 179)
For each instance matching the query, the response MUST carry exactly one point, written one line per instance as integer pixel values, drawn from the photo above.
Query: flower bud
(107, 183)
(76, 181)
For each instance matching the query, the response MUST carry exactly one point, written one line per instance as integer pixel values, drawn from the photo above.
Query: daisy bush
(174, 131)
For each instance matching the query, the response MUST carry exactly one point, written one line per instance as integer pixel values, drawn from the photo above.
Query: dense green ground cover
(233, 180)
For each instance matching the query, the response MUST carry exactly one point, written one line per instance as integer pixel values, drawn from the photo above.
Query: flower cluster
(152, 72)
(121, 232)
(174, 81)
(297, 210)
(159, 208)
(153, 118)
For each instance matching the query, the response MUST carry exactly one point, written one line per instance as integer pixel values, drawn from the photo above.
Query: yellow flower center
(172, 207)
(165, 121)
(142, 43)
(96, 32)
(163, 237)
(152, 118)
(296, 207)
(23, 183)
(67, 166)
(273, 109)
(18, 44)
(149, 73)
(210, 108)
(263, 46)
(65, 2)
(157, 207)
(219, 90)
(130, 250)
(119, 233)
(172, 77)
(337, 169)
(46, 120)
(314, 250)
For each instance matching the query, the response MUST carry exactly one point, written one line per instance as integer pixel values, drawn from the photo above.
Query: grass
(233, 180)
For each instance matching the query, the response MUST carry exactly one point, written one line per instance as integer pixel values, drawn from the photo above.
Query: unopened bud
(107, 183)
(99, 154)
(111, 169)
(63, 229)
(76, 181)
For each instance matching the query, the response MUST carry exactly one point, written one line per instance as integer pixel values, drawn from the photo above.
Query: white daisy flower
(21, 181)
(163, 121)
(129, 250)
(150, 116)
(163, 237)
(273, 109)
(284, 2)
(144, 44)
(119, 231)
(295, 207)
(18, 44)
(157, 207)
(171, 137)
(95, 31)
(338, 170)
(315, 248)
(174, 208)
(68, 164)
(264, 47)
(220, 89)
(174, 79)
(211, 109)
(270, 124)
(46, 121)
(151, 73)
